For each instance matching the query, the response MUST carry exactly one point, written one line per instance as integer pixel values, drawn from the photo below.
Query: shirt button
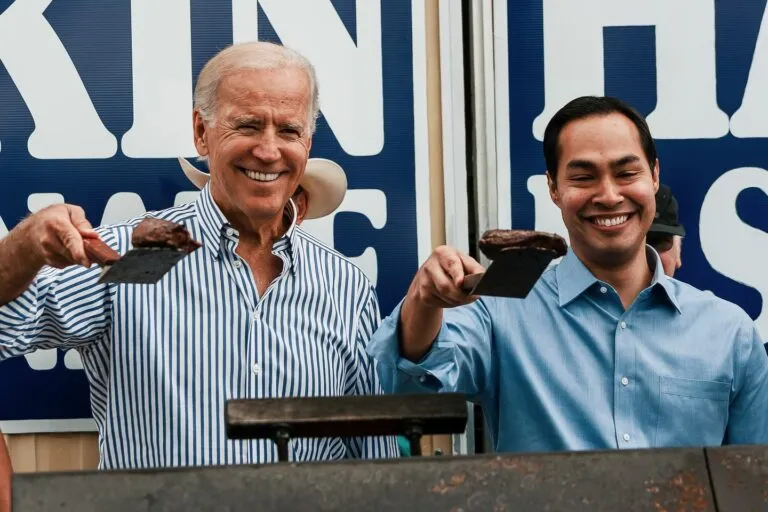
(256, 368)
(237, 264)
(422, 378)
(626, 437)
(230, 231)
(255, 316)
(624, 381)
(603, 289)
(623, 325)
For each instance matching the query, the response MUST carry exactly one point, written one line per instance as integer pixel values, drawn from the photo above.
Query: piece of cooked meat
(495, 241)
(152, 232)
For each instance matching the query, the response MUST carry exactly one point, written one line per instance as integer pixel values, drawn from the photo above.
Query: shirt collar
(573, 278)
(213, 223)
(215, 226)
(288, 242)
(660, 279)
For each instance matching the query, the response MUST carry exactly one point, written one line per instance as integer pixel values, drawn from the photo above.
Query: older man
(261, 310)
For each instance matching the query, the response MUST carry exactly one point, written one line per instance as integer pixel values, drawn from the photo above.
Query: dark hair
(587, 106)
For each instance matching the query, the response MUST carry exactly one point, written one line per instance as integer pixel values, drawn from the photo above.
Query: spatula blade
(142, 265)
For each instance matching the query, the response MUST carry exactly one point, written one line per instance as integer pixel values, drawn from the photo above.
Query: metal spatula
(512, 274)
(140, 265)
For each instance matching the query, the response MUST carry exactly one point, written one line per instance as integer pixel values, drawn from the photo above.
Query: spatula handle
(471, 281)
(99, 252)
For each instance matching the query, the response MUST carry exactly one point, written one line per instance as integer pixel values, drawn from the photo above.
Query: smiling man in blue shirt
(606, 351)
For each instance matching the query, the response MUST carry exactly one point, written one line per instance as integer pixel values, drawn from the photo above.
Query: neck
(261, 233)
(628, 277)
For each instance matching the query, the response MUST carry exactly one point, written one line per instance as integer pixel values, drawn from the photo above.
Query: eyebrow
(293, 126)
(627, 159)
(588, 165)
(247, 120)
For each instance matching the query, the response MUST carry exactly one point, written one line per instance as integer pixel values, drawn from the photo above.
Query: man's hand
(437, 285)
(55, 235)
(438, 282)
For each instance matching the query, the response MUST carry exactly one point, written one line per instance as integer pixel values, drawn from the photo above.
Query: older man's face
(258, 144)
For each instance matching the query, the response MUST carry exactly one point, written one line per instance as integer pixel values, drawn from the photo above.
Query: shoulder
(706, 305)
(319, 256)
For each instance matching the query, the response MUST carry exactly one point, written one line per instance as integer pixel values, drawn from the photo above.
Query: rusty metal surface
(347, 416)
(739, 477)
(658, 481)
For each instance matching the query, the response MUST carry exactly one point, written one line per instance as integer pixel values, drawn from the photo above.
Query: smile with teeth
(261, 176)
(610, 221)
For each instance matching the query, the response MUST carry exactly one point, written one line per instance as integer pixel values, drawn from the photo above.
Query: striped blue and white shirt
(162, 359)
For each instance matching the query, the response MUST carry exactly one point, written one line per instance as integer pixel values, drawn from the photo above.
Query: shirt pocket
(692, 412)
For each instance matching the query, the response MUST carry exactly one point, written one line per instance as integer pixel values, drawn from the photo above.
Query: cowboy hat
(324, 181)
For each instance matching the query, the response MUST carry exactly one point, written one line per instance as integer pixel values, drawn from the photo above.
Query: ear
(302, 204)
(553, 193)
(199, 128)
(655, 173)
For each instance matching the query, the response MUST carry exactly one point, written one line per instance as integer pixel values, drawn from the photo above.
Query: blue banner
(96, 101)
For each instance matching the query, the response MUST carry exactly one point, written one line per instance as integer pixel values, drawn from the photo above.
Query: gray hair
(252, 55)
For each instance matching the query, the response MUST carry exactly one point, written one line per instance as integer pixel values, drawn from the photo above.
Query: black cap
(666, 220)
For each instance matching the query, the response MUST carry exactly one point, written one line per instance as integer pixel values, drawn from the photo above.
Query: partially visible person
(666, 233)
(6, 471)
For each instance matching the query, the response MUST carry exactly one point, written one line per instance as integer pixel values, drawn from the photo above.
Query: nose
(267, 147)
(608, 193)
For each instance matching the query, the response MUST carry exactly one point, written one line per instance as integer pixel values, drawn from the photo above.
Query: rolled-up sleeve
(62, 308)
(459, 359)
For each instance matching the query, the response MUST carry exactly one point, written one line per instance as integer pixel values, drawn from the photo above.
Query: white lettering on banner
(350, 76)
(162, 80)
(547, 214)
(751, 120)
(72, 360)
(686, 80)
(121, 207)
(36, 202)
(372, 204)
(66, 122)
(185, 197)
(721, 230)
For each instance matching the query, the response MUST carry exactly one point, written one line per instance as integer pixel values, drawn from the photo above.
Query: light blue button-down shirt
(568, 368)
